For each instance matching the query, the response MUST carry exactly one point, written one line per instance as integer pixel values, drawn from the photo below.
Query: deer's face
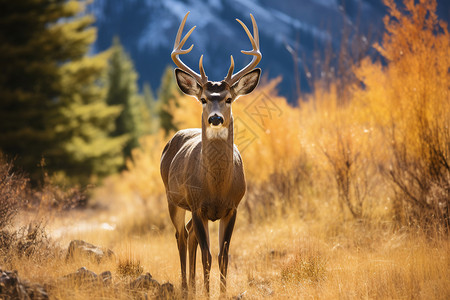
(216, 99)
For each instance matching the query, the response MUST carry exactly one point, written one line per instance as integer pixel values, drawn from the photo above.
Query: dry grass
(13, 186)
(281, 259)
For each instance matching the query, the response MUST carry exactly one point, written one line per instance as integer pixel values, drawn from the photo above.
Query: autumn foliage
(381, 156)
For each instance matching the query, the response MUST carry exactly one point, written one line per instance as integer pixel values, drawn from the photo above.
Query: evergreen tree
(167, 97)
(123, 90)
(85, 122)
(152, 106)
(52, 98)
(149, 97)
(29, 79)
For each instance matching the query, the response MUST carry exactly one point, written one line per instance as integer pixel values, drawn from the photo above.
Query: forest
(348, 189)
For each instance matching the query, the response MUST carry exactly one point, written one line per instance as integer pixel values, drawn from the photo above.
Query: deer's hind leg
(177, 216)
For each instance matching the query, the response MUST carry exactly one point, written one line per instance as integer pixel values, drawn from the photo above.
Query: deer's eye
(203, 100)
(228, 101)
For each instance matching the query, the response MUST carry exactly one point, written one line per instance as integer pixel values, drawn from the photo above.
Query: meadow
(347, 195)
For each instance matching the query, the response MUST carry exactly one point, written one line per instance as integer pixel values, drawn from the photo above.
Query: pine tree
(149, 97)
(152, 105)
(167, 97)
(123, 90)
(53, 100)
(86, 122)
(29, 79)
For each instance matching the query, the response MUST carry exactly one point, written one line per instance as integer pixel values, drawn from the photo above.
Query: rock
(145, 282)
(82, 248)
(167, 291)
(106, 277)
(81, 276)
(36, 292)
(12, 287)
(84, 276)
(145, 287)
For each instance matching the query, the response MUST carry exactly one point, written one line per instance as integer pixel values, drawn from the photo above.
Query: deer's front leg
(225, 231)
(192, 247)
(202, 233)
(177, 217)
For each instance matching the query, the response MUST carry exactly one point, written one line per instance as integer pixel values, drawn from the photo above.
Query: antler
(231, 79)
(201, 79)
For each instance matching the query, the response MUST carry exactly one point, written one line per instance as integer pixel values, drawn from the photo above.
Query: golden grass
(283, 258)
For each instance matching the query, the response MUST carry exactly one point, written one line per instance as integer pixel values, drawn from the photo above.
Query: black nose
(215, 120)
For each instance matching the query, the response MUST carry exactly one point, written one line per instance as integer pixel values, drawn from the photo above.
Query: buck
(202, 169)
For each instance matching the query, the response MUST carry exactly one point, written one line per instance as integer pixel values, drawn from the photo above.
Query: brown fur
(201, 168)
(205, 175)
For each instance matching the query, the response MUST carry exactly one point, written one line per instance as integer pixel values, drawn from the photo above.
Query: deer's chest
(217, 203)
(216, 208)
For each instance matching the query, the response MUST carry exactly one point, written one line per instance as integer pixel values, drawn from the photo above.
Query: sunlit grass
(281, 259)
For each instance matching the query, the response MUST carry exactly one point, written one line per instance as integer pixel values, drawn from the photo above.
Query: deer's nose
(215, 120)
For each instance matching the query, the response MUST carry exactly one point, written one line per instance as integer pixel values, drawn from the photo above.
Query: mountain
(147, 29)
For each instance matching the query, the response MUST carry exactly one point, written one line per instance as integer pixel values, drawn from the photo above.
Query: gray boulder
(167, 291)
(84, 276)
(148, 288)
(145, 282)
(79, 248)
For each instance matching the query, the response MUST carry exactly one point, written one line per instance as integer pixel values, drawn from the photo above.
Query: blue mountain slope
(147, 29)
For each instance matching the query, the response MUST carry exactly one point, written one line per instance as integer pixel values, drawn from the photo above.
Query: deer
(201, 168)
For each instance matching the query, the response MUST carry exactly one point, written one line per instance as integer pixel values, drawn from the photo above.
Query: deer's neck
(217, 156)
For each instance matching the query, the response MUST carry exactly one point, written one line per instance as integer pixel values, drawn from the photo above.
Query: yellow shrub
(410, 104)
(334, 156)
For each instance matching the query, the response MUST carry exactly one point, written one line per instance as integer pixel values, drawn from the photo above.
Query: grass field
(282, 258)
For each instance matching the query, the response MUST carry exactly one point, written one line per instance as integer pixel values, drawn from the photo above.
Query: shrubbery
(381, 155)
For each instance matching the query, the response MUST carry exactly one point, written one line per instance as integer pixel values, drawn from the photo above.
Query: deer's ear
(187, 83)
(247, 83)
